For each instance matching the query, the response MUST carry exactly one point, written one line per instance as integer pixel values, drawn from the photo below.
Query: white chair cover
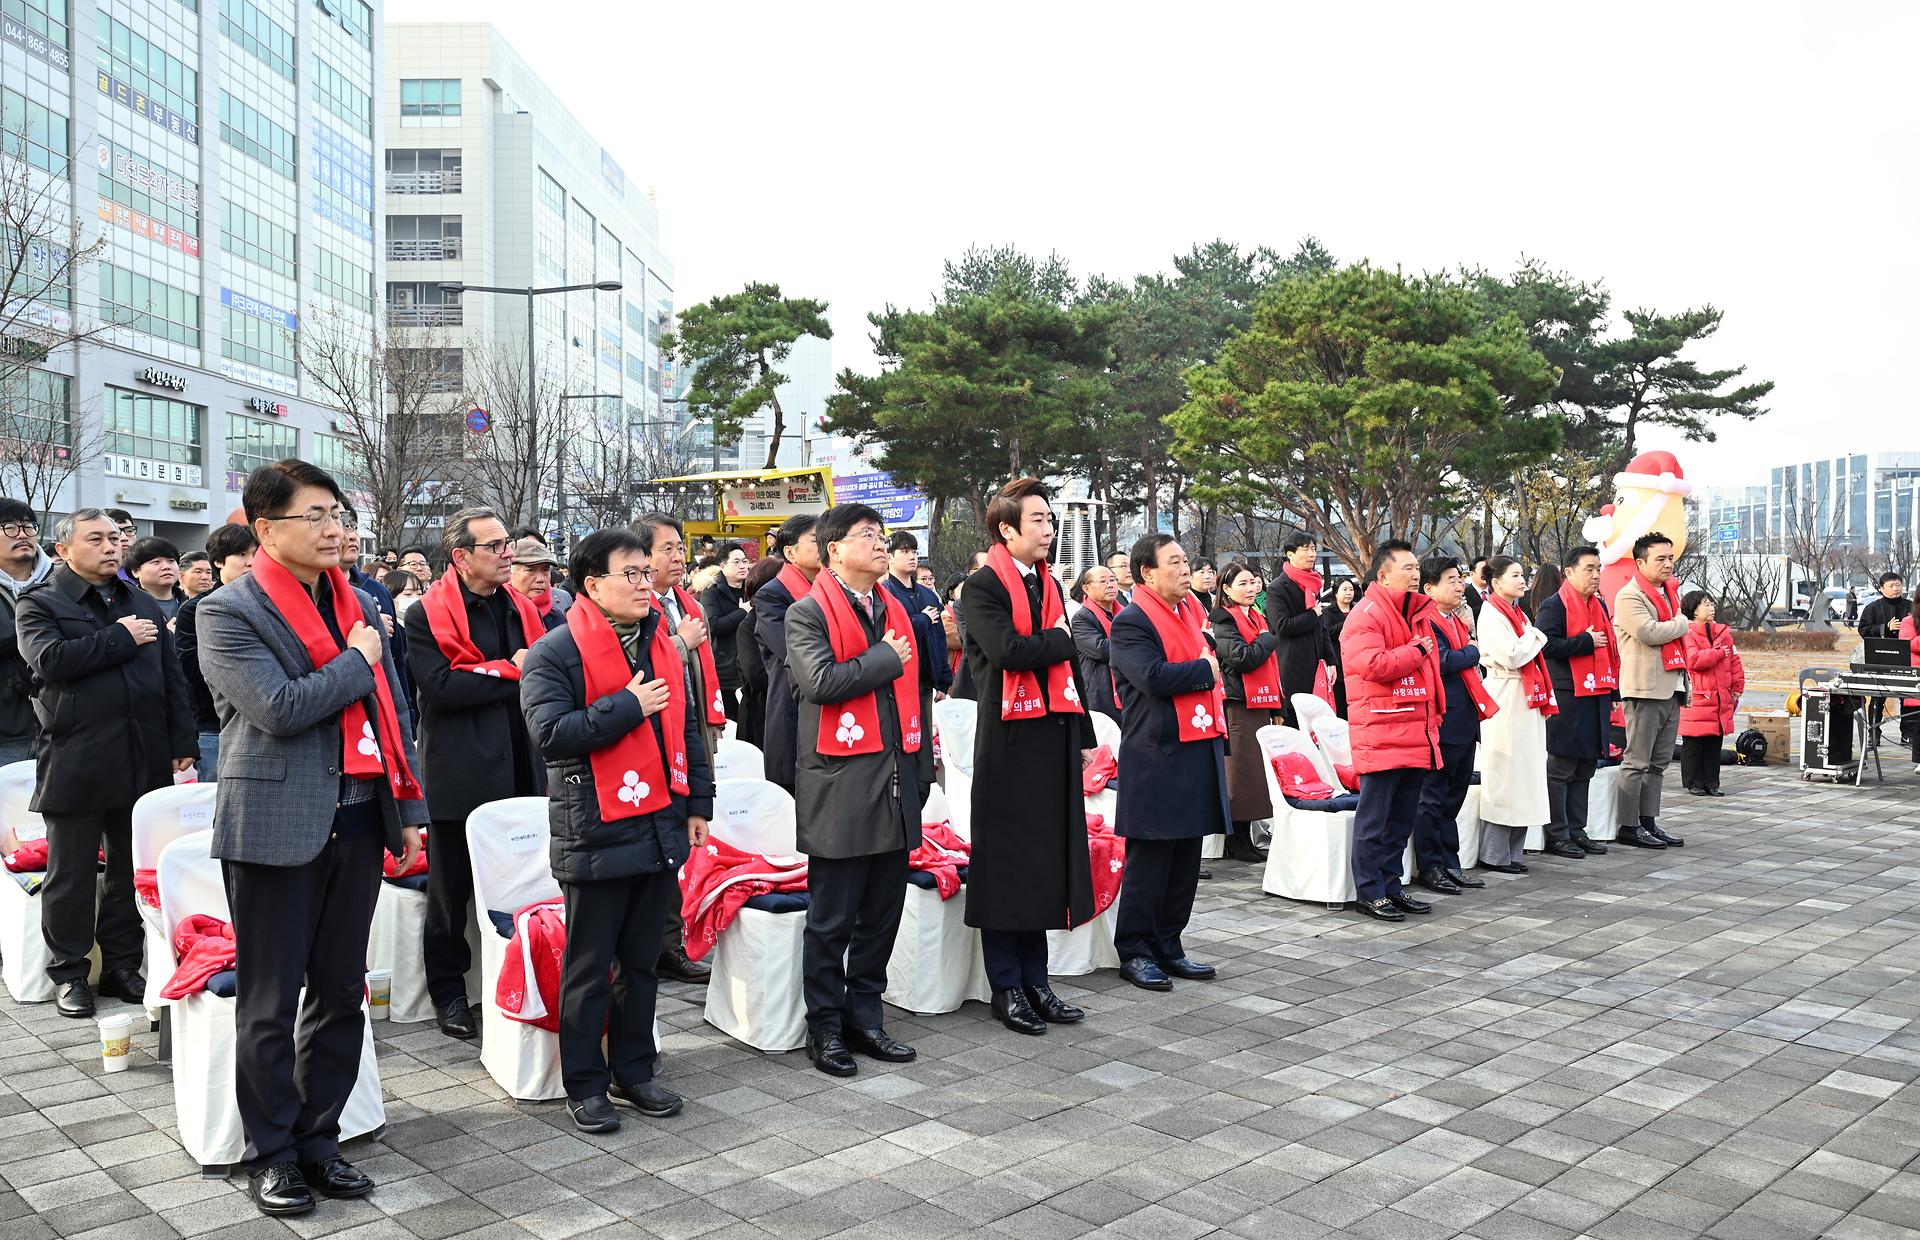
(1107, 800)
(1600, 816)
(159, 818)
(1331, 734)
(734, 759)
(937, 963)
(1106, 731)
(954, 719)
(507, 841)
(204, 1038)
(1081, 950)
(754, 994)
(1468, 826)
(23, 949)
(1310, 856)
(1213, 847)
(395, 944)
(729, 729)
(1307, 709)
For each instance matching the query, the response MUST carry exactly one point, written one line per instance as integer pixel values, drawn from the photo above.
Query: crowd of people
(353, 718)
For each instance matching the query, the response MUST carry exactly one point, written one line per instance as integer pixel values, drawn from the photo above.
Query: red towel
(1299, 778)
(1108, 854)
(539, 939)
(419, 865)
(146, 888)
(29, 858)
(1096, 775)
(717, 879)
(205, 947)
(1348, 779)
(941, 854)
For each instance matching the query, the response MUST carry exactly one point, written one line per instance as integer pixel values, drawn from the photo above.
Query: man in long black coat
(1293, 615)
(1577, 737)
(794, 542)
(1030, 871)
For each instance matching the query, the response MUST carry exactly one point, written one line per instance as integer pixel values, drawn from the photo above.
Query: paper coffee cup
(379, 993)
(116, 1041)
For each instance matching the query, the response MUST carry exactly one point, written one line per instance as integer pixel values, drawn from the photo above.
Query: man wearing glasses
(23, 565)
(1585, 670)
(317, 779)
(466, 642)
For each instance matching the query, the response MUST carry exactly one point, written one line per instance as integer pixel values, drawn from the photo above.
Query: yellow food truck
(748, 505)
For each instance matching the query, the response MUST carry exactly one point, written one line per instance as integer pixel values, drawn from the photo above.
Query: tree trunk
(779, 418)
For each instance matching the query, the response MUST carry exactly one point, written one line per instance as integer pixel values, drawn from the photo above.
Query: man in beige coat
(1649, 628)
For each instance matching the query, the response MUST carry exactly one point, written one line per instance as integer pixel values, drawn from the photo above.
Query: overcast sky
(1760, 157)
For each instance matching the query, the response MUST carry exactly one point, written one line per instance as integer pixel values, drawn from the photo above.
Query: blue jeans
(209, 757)
(18, 749)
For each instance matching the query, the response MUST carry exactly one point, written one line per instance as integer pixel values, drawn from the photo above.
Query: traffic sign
(479, 421)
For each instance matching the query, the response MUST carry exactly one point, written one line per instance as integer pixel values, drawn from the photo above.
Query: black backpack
(1750, 748)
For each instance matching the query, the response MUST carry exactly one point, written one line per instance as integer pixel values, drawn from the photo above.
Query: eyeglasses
(18, 529)
(634, 576)
(867, 535)
(317, 518)
(496, 547)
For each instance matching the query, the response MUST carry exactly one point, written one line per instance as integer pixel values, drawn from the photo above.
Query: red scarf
(630, 776)
(716, 705)
(1596, 673)
(1533, 676)
(795, 581)
(1459, 636)
(1020, 690)
(369, 748)
(1262, 684)
(1310, 582)
(1202, 714)
(1105, 620)
(447, 619)
(853, 726)
(1665, 598)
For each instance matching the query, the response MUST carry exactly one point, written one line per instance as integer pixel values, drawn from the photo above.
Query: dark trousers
(1436, 833)
(443, 941)
(1156, 898)
(730, 701)
(1389, 803)
(1569, 783)
(294, 925)
(853, 914)
(612, 926)
(69, 919)
(1700, 762)
(1015, 958)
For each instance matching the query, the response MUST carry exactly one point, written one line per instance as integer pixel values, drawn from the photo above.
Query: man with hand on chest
(466, 642)
(862, 770)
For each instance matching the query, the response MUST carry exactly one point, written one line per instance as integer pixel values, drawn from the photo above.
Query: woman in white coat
(1513, 743)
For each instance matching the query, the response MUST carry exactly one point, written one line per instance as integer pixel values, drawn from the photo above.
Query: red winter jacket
(1394, 726)
(1912, 638)
(1715, 680)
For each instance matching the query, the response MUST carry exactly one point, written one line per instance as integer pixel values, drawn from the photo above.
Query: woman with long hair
(1250, 675)
(1098, 593)
(1513, 743)
(956, 639)
(1339, 599)
(1546, 584)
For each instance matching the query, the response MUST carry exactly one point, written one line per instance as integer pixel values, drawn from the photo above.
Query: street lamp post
(533, 408)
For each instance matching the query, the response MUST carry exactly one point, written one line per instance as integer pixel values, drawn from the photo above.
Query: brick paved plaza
(1718, 1042)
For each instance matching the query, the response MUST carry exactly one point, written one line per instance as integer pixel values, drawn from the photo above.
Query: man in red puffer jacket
(1394, 707)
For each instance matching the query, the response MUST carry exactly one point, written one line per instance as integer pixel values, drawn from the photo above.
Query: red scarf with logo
(1533, 676)
(1596, 673)
(795, 581)
(1020, 690)
(1105, 620)
(631, 776)
(853, 726)
(369, 748)
(1262, 684)
(1459, 636)
(716, 705)
(1202, 713)
(447, 619)
(1310, 582)
(1665, 598)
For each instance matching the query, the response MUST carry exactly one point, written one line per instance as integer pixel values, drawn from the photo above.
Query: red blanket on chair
(146, 888)
(941, 854)
(29, 858)
(419, 865)
(1108, 855)
(529, 987)
(1097, 774)
(205, 947)
(717, 879)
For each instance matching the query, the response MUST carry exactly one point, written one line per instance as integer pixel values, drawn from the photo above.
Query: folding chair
(955, 718)
(1310, 856)
(1310, 708)
(508, 843)
(23, 949)
(754, 994)
(1106, 801)
(204, 1104)
(937, 963)
(738, 760)
(159, 818)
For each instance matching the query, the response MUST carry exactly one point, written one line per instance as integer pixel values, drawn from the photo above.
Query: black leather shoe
(1715, 792)
(279, 1190)
(648, 1099)
(878, 1044)
(73, 998)
(1145, 973)
(126, 984)
(1635, 837)
(1696, 791)
(829, 1054)
(1567, 849)
(1188, 969)
(1205, 872)
(456, 1019)
(1590, 846)
(1653, 829)
(1240, 847)
(1051, 1007)
(336, 1177)
(1012, 1009)
(1460, 878)
(1437, 880)
(593, 1114)
(1512, 867)
(680, 967)
(1381, 909)
(1407, 904)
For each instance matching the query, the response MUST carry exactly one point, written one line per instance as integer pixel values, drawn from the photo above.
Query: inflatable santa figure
(1650, 494)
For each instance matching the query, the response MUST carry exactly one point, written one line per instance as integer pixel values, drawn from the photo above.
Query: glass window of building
(341, 97)
(146, 67)
(144, 304)
(39, 406)
(423, 237)
(265, 39)
(429, 96)
(342, 281)
(335, 454)
(258, 240)
(412, 171)
(34, 133)
(47, 18)
(353, 16)
(142, 184)
(253, 135)
(39, 272)
(258, 342)
(253, 442)
(153, 427)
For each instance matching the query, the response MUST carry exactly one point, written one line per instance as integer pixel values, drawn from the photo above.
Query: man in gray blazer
(317, 779)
